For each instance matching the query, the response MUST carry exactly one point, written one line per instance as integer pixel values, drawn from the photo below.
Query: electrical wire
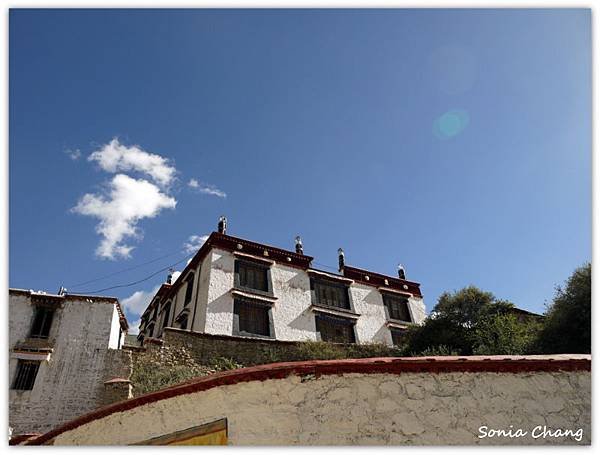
(124, 270)
(326, 266)
(139, 281)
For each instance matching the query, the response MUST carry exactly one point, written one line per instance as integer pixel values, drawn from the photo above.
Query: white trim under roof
(394, 291)
(334, 312)
(330, 276)
(24, 355)
(252, 257)
(252, 296)
(396, 324)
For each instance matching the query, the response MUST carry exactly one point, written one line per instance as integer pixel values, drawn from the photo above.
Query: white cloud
(137, 302)
(176, 275)
(74, 154)
(116, 157)
(211, 190)
(134, 328)
(194, 243)
(119, 209)
(206, 188)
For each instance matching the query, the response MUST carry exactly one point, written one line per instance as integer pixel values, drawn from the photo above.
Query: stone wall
(205, 348)
(416, 401)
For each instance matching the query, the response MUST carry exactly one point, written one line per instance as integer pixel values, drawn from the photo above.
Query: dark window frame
(155, 312)
(150, 329)
(262, 267)
(41, 324)
(183, 321)
(238, 325)
(189, 290)
(316, 283)
(26, 374)
(398, 336)
(392, 299)
(166, 314)
(321, 321)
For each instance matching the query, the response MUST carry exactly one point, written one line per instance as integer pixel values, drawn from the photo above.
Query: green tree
(568, 325)
(504, 334)
(468, 321)
(468, 305)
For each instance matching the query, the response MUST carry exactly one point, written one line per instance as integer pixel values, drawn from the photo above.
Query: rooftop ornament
(401, 272)
(222, 226)
(299, 249)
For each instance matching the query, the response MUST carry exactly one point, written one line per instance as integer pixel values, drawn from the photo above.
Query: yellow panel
(218, 438)
(213, 433)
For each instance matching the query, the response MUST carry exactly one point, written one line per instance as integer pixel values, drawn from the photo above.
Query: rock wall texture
(205, 348)
(283, 405)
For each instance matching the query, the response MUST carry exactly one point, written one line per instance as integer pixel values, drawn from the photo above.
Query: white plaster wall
(417, 309)
(292, 319)
(219, 307)
(20, 318)
(382, 409)
(370, 326)
(114, 334)
(71, 382)
(202, 300)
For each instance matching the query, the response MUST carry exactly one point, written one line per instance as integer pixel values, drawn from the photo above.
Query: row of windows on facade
(40, 328)
(252, 318)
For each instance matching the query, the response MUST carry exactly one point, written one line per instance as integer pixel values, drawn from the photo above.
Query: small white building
(238, 287)
(63, 348)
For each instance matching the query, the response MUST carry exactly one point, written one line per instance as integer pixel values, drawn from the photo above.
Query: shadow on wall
(382, 335)
(223, 263)
(373, 297)
(305, 322)
(299, 283)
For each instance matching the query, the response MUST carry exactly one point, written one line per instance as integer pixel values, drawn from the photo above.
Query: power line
(139, 281)
(327, 266)
(123, 270)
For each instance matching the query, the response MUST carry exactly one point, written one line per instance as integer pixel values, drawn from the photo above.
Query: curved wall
(369, 401)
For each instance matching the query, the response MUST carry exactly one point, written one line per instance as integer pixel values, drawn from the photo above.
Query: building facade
(63, 349)
(238, 287)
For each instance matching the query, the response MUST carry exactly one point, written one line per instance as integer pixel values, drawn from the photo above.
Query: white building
(237, 287)
(63, 348)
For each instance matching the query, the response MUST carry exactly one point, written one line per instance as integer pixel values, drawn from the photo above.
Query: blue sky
(457, 142)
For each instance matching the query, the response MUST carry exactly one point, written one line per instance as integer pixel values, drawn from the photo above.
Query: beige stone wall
(388, 409)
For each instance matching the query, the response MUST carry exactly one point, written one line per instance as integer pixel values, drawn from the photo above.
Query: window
(183, 322)
(26, 372)
(42, 320)
(189, 289)
(166, 314)
(327, 293)
(251, 318)
(397, 307)
(155, 313)
(150, 330)
(335, 330)
(253, 276)
(398, 336)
